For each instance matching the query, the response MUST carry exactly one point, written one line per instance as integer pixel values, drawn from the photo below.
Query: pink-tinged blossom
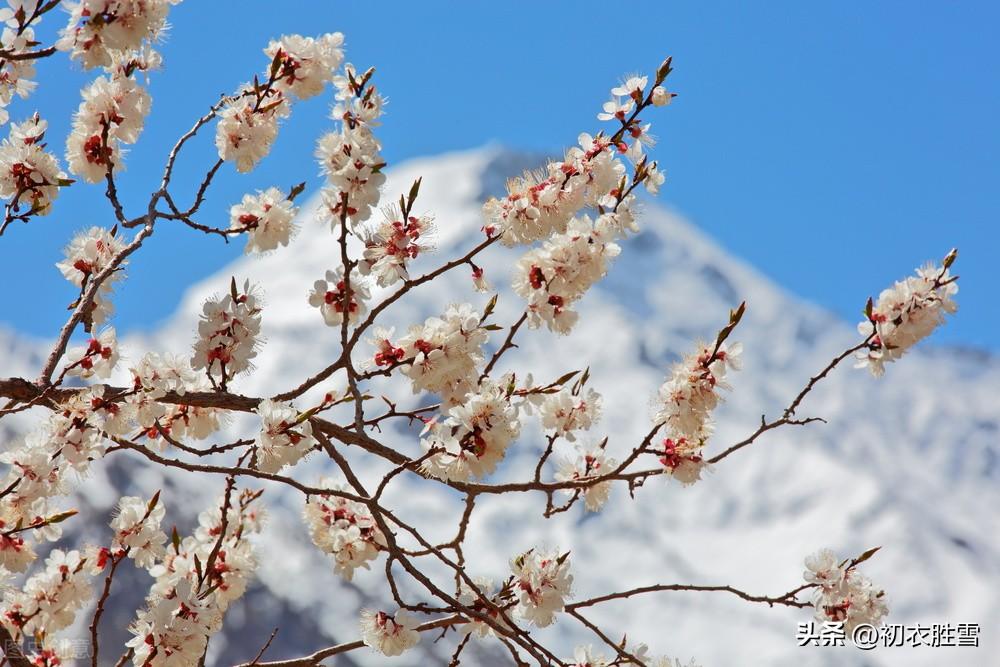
(248, 127)
(98, 357)
(266, 217)
(389, 634)
(391, 246)
(228, 334)
(334, 298)
(284, 438)
(540, 204)
(344, 529)
(30, 176)
(843, 594)
(554, 276)
(473, 438)
(588, 463)
(542, 583)
(305, 64)
(690, 394)
(443, 354)
(137, 529)
(564, 412)
(906, 313)
(100, 29)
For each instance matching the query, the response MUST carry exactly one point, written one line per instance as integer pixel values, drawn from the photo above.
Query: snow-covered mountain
(908, 462)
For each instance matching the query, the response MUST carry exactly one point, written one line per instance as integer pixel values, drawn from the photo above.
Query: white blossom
(137, 528)
(333, 297)
(843, 594)
(689, 395)
(474, 437)
(542, 583)
(248, 127)
(98, 357)
(228, 333)
(266, 218)
(390, 635)
(98, 29)
(393, 244)
(905, 314)
(29, 175)
(565, 412)
(553, 277)
(444, 354)
(588, 463)
(283, 438)
(305, 64)
(344, 529)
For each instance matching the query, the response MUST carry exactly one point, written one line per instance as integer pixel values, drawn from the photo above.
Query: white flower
(267, 219)
(616, 108)
(444, 354)
(475, 436)
(113, 111)
(565, 412)
(137, 528)
(632, 87)
(388, 634)
(89, 253)
(558, 273)
(305, 64)
(541, 204)
(284, 438)
(843, 595)
(661, 97)
(689, 395)
(98, 357)
(333, 298)
(343, 529)
(247, 128)
(542, 583)
(98, 29)
(589, 462)
(29, 175)
(51, 598)
(390, 247)
(905, 314)
(654, 179)
(584, 656)
(227, 334)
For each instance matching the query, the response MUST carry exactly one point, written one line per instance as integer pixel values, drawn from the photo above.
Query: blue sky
(833, 145)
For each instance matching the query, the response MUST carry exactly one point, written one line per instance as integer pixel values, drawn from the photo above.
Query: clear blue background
(833, 145)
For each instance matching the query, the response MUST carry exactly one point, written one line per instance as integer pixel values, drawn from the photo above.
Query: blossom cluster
(588, 463)
(443, 354)
(391, 245)
(248, 122)
(542, 584)
(473, 439)
(389, 634)
(685, 404)
(50, 599)
(351, 156)
(195, 582)
(906, 313)
(228, 334)
(844, 595)
(112, 113)
(337, 300)
(343, 528)
(137, 530)
(266, 217)
(16, 74)
(101, 30)
(284, 438)
(90, 253)
(539, 205)
(554, 276)
(29, 175)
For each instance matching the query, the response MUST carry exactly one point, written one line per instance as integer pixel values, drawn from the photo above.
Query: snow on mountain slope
(908, 462)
